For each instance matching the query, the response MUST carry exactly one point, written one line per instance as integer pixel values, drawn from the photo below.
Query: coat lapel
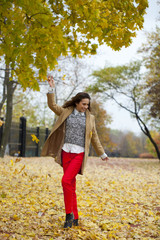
(87, 126)
(62, 118)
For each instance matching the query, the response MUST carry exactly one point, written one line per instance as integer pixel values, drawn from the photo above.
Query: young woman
(69, 143)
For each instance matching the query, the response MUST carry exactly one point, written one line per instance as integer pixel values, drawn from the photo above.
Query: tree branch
(119, 104)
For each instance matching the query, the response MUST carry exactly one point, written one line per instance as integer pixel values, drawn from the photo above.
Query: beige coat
(55, 140)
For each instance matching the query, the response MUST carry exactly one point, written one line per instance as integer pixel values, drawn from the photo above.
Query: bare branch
(119, 104)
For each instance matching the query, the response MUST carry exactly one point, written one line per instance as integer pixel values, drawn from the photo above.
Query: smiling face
(82, 106)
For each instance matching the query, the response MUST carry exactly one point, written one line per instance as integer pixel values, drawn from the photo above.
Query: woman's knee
(65, 181)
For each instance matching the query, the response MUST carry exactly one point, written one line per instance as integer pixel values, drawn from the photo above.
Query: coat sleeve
(96, 142)
(52, 105)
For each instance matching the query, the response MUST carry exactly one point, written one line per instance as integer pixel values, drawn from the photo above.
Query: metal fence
(20, 140)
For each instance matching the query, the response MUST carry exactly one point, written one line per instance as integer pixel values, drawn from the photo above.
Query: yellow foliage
(35, 33)
(63, 78)
(156, 136)
(1, 122)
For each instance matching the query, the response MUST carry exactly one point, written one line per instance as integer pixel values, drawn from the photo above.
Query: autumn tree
(128, 144)
(125, 86)
(102, 119)
(149, 146)
(151, 58)
(34, 34)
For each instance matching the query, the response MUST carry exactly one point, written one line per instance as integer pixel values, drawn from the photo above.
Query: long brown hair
(76, 99)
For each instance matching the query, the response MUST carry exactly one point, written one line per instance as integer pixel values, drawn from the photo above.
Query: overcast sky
(121, 118)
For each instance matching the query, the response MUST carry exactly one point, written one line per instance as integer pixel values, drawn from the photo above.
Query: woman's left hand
(105, 159)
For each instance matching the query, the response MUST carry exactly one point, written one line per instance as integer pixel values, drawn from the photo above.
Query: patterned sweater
(75, 129)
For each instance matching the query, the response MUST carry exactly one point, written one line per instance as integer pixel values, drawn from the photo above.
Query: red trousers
(71, 166)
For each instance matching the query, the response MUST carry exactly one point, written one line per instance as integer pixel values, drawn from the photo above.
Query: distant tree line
(128, 144)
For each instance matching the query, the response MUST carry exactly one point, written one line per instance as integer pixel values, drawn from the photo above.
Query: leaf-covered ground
(116, 200)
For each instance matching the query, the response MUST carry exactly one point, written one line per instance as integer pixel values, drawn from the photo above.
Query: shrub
(146, 155)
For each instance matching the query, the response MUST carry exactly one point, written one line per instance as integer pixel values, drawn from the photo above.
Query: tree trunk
(10, 91)
(146, 131)
(155, 146)
(4, 95)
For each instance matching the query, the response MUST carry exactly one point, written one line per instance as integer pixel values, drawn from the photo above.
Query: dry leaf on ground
(116, 200)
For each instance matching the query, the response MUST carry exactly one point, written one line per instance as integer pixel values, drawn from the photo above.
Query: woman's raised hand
(51, 81)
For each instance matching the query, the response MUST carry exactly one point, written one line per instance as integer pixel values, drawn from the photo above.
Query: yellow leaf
(80, 213)
(1, 123)
(22, 169)
(60, 219)
(12, 162)
(31, 234)
(6, 235)
(90, 134)
(63, 78)
(34, 138)
(15, 217)
(15, 171)
(18, 160)
(3, 195)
